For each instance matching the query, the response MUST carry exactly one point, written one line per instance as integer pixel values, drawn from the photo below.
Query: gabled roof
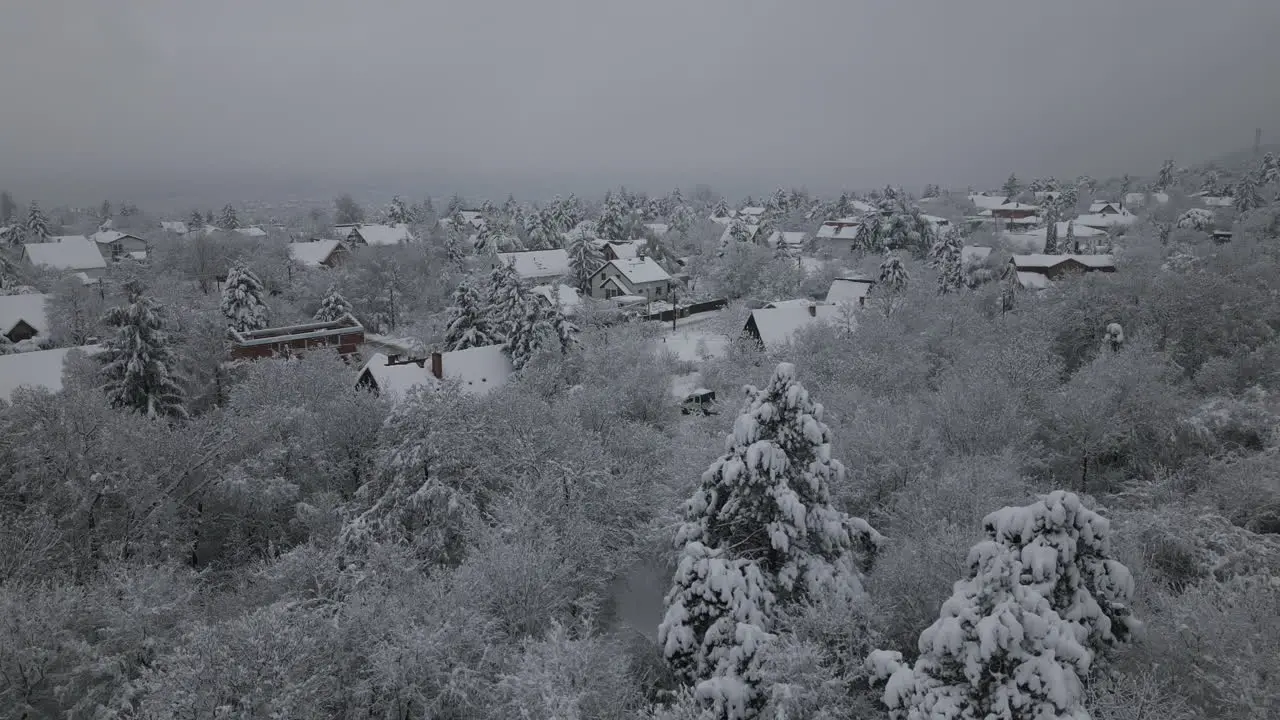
(384, 234)
(40, 368)
(638, 271)
(477, 371)
(28, 308)
(70, 252)
(568, 295)
(727, 235)
(252, 231)
(1016, 206)
(314, 253)
(538, 263)
(842, 229)
(396, 381)
(986, 202)
(849, 289)
(1044, 262)
(1105, 221)
(628, 251)
(777, 326)
(1099, 206)
(752, 211)
(1033, 281)
(789, 239)
(106, 237)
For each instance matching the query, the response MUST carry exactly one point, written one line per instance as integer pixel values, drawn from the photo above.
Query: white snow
(384, 234)
(569, 298)
(987, 202)
(789, 239)
(1214, 201)
(396, 381)
(842, 229)
(1033, 240)
(1033, 281)
(313, 253)
(538, 264)
(174, 226)
(1103, 206)
(658, 229)
(252, 231)
(477, 370)
(107, 237)
(1139, 199)
(42, 369)
(638, 271)
(972, 254)
(625, 251)
(1048, 261)
(848, 290)
(692, 344)
(71, 252)
(1104, 221)
(727, 236)
(29, 308)
(777, 326)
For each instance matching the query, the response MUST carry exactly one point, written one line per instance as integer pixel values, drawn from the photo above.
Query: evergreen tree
(1067, 201)
(468, 323)
(455, 206)
(208, 217)
(1011, 187)
(1070, 244)
(682, 219)
(1087, 183)
(242, 303)
(196, 221)
(759, 535)
(612, 224)
(333, 306)
(721, 209)
(585, 258)
(507, 301)
(37, 225)
(138, 361)
(347, 210)
(1126, 184)
(104, 210)
(1044, 607)
(950, 262)
(893, 274)
(903, 227)
(486, 242)
(1247, 195)
(1269, 170)
(565, 330)
(228, 220)
(455, 246)
(1051, 246)
(531, 331)
(398, 212)
(1165, 179)
(510, 208)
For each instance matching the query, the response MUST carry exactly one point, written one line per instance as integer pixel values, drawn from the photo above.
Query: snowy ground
(693, 340)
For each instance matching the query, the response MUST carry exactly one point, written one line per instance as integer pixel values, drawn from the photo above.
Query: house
(1099, 221)
(1054, 267)
(342, 231)
(987, 202)
(1105, 208)
(1217, 201)
(640, 277)
(345, 334)
(622, 251)
(380, 235)
(792, 242)
(23, 317)
(1032, 241)
(566, 294)
(537, 266)
(839, 235)
(775, 327)
(174, 226)
(850, 289)
(114, 244)
(38, 369)
(474, 218)
(477, 371)
(71, 253)
(252, 231)
(747, 229)
(1014, 211)
(1050, 195)
(751, 214)
(318, 253)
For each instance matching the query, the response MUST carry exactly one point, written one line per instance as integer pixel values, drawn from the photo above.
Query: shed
(345, 335)
(849, 290)
(23, 317)
(318, 253)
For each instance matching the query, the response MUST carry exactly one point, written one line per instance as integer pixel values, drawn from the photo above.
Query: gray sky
(827, 93)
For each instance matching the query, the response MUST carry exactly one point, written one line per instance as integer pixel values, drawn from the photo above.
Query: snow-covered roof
(628, 250)
(538, 263)
(1140, 199)
(794, 302)
(789, 239)
(569, 298)
(1033, 240)
(934, 219)
(777, 326)
(106, 237)
(29, 308)
(1104, 221)
(385, 234)
(1031, 220)
(974, 254)
(842, 229)
(848, 289)
(252, 231)
(396, 381)
(1033, 281)
(478, 370)
(682, 386)
(986, 202)
(1016, 206)
(40, 368)
(70, 252)
(174, 226)
(658, 229)
(752, 211)
(638, 271)
(313, 253)
(727, 235)
(1039, 261)
(720, 220)
(1217, 201)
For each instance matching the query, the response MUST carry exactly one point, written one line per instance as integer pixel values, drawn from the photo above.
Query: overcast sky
(821, 92)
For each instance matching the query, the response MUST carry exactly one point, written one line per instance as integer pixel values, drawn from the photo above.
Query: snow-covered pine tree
(138, 361)
(720, 209)
(612, 225)
(333, 306)
(1051, 246)
(228, 220)
(196, 221)
(506, 301)
(1164, 180)
(455, 246)
(1247, 195)
(869, 237)
(950, 262)
(1011, 187)
(454, 207)
(36, 227)
(998, 651)
(468, 324)
(487, 239)
(566, 331)
(1069, 244)
(585, 258)
(532, 331)
(893, 274)
(242, 303)
(397, 212)
(758, 535)
(1067, 201)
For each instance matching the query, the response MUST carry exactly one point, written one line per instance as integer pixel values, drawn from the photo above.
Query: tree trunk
(1084, 473)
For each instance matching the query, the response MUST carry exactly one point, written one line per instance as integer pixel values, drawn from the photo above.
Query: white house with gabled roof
(381, 235)
(537, 266)
(636, 277)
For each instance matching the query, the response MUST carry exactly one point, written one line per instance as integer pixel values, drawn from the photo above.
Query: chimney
(437, 365)
(393, 359)
(813, 310)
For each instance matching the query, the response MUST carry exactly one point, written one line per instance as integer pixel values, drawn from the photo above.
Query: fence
(686, 310)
